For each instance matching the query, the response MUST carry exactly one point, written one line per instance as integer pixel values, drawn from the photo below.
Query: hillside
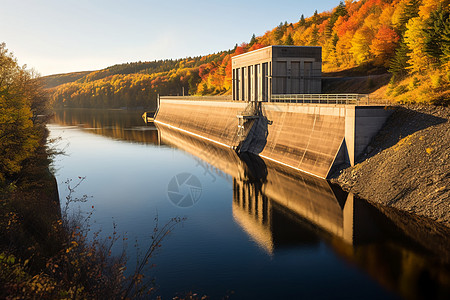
(52, 81)
(137, 84)
(408, 38)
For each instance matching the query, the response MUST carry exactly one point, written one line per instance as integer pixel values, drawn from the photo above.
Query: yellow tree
(343, 49)
(414, 39)
(361, 42)
(18, 137)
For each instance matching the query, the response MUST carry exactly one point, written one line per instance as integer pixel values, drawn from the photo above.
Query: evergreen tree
(315, 19)
(279, 31)
(289, 40)
(399, 64)
(252, 40)
(340, 10)
(315, 36)
(410, 11)
(302, 20)
(437, 36)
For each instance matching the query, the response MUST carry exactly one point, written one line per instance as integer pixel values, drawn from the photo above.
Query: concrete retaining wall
(310, 138)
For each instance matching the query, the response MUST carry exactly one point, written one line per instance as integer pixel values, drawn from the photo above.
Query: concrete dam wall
(313, 138)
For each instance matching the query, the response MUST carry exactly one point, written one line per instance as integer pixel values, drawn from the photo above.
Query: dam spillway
(314, 138)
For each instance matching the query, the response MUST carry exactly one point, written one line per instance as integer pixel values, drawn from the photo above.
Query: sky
(61, 36)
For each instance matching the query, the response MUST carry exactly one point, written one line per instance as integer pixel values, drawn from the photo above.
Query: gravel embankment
(407, 165)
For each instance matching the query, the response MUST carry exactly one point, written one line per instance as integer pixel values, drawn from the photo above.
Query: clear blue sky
(59, 36)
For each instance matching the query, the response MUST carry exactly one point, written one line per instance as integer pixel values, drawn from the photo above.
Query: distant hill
(52, 81)
(408, 38)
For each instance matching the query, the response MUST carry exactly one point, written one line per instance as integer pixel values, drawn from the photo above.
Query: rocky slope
(407, 165)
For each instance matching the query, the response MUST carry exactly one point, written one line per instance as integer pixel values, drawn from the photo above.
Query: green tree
(315, 18)
(399, 64)
(314, 36)
(339, 11)
(437, 36)
(252, 40)
(289, 41)
(410, 11)
(302, 20)
(279, 31)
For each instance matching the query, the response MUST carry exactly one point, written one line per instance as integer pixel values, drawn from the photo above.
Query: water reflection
(116, 124)
(278, 207)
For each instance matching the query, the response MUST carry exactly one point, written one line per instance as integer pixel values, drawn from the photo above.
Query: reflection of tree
(411, 274)
(117, 124)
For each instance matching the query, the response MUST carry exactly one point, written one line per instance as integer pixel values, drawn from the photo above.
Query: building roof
(314, 52)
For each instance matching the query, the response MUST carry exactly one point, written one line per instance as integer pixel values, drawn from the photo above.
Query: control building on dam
(276, 70)
(277, 112)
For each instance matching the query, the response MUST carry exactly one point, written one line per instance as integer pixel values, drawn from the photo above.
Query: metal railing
(199, 98)
(347, 99)
(341, 99)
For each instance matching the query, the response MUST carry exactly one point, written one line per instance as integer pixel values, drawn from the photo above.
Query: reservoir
(252, 229)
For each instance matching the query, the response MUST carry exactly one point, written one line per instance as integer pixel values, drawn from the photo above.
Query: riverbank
(45, 253)
(407, 165)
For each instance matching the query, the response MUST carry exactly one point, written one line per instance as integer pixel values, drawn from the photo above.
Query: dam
(315, 133)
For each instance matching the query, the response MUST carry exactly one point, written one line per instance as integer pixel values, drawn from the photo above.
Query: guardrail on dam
(313, 138)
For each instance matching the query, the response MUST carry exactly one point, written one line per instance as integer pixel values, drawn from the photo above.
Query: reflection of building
(252, 211)
(277, 70)
(264, 210)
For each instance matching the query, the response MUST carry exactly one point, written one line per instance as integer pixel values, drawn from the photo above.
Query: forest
(410, 39)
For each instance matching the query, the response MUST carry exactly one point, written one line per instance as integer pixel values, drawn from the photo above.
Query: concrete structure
(315, 139)
(276, 70)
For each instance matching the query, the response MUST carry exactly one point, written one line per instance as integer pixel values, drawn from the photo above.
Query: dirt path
(407, 165)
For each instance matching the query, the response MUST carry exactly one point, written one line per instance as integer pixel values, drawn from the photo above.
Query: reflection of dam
(279, 208)
(297, 195)
(260, 185)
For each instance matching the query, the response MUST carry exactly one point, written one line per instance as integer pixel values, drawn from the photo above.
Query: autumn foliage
(405, 37)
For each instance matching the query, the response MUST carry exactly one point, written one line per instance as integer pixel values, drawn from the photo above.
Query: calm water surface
(253, 230)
